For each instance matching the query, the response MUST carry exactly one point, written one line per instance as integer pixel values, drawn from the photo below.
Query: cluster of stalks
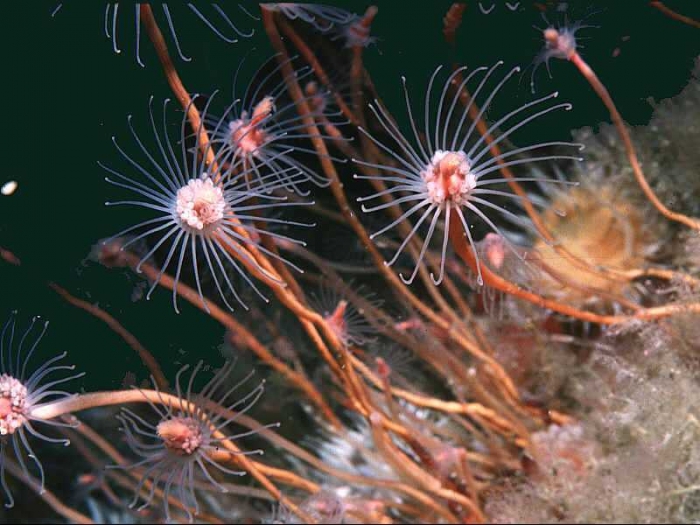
(440, 471)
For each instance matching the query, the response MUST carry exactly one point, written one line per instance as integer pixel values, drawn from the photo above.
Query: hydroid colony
(502, 329)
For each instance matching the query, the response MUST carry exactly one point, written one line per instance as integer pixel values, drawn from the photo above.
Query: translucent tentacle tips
(448, 173)
(202, 219)
(177, 448)
(22, 390)
(224, 24)
(322, 17)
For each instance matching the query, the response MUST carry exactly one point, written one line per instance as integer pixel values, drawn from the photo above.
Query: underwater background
(66, 93)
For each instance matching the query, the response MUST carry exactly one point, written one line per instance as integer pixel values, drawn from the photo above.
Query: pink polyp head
(357, 34)
(560, 43)
(448, 177)
(336, 320)
(13, 404)
(181, 435)
(200, 203)
(248, 134)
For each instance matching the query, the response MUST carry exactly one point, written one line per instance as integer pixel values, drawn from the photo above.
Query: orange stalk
(176, 84)
(673, 14)
(250, 340)
(452, 21)
(120, 397)
(146, 357)
(604, 95)
(351, 217)
(308, 55)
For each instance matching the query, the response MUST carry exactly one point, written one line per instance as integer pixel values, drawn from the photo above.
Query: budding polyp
(561, 44)
(383, 368)
(408, 324)
(327, 504)
(247, 134)
(182, 436)
(110, 253)
(336, 320)
(317, 101)
(369, 15)
(358, 32)
(447, 459)
(495, 249)
(448, 177)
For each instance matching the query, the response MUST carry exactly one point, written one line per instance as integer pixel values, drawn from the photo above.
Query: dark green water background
(65, 93)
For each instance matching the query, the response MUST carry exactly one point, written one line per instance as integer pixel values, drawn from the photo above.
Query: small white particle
(9, 187)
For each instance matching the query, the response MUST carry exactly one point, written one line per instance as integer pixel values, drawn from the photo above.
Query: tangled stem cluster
(221, 187)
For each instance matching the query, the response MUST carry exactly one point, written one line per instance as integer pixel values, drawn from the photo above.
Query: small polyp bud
(375, 418)
(383, 369)
(264, 108)
(409, 324)
(311, 89)
(551, 35)
(336, 320)
(495, 249)
(369, 15)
